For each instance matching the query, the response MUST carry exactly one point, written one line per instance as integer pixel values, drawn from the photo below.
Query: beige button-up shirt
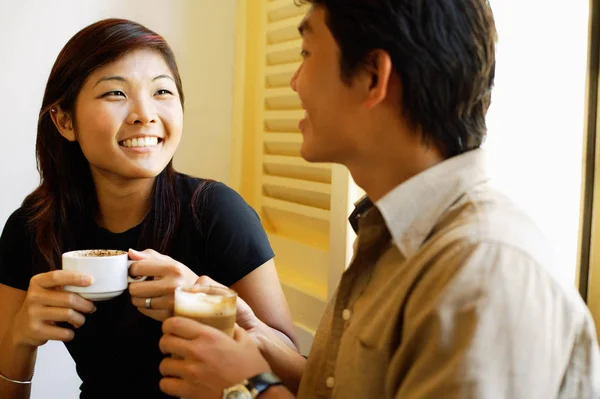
(449, 295)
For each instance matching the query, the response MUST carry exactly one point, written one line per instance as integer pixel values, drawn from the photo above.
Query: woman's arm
(262, 291)
(15, 363)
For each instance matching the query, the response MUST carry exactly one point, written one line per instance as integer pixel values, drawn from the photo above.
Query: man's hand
(206, 361)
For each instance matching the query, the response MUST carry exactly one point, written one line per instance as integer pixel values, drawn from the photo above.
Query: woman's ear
(63, 122)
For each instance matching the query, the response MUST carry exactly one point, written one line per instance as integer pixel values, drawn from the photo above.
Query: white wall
(536, 121)
(31, 35)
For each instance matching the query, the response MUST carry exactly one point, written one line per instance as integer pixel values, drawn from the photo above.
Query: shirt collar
(412, 209)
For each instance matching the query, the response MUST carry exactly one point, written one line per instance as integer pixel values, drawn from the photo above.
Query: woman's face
(128, 117)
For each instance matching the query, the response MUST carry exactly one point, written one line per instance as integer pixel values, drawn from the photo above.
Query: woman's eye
(303, 53)
(117, 93)
(163, 92)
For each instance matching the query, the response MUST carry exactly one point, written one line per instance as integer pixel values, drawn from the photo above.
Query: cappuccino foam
(213, 310)
(97, 253)
(203, 305)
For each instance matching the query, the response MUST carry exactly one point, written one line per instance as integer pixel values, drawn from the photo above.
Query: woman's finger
(61, 299)
(156, 303)
(205, 280)
(153, 288)
(146, 254)
(51, 332)
(154, 268)
(52, 314)
(58, 278)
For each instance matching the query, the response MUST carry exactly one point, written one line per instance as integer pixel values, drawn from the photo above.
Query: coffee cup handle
(134, 279)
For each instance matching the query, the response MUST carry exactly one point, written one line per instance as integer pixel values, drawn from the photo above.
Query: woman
(110, 123)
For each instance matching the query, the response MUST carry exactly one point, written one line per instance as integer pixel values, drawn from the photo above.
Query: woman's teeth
(140, 142)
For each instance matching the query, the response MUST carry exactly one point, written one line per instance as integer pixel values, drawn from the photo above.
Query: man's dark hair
(443, 51)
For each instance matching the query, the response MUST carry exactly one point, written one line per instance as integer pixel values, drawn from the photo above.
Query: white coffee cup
(108, 267)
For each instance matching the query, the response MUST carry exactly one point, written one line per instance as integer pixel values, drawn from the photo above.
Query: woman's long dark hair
(65, 200)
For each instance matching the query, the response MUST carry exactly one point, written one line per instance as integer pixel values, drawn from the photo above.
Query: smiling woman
(110, 123)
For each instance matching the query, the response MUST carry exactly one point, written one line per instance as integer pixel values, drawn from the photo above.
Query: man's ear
(63, 122)
(379, 70)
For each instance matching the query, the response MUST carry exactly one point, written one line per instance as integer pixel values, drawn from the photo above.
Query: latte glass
(208, 304)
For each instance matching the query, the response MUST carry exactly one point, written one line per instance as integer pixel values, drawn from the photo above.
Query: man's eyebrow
(304, 27)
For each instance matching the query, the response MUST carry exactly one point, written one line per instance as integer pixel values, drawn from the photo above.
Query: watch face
(238, 395)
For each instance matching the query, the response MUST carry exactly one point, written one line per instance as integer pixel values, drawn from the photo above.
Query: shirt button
(346, 314)
(330, 382)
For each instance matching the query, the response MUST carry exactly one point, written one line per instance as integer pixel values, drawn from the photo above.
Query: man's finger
(239, 333)
(182, 389)
(170, 344)
(171, 366)
(176, 387)
(57, 278)
(189, 329)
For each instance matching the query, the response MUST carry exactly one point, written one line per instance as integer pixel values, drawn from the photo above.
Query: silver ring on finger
(148, 303)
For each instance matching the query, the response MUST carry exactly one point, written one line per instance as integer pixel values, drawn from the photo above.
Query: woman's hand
(46, 304)
(167, 275)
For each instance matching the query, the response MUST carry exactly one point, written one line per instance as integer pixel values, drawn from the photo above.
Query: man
(448, 294)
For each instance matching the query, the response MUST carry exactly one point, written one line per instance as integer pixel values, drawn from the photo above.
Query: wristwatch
(252, 387)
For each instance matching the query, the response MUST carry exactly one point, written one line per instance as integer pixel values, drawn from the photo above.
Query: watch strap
(261, 382)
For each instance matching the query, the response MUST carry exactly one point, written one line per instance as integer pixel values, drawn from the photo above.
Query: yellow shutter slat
(292, 138)
(283, 120)
(280, 75)
(284, 53)
(283, 98)
(295, 225)
(297, 184)
(296, 167)
(282, 9)
(298, 191)
(298, 209)
(295, 161)
(284, 30)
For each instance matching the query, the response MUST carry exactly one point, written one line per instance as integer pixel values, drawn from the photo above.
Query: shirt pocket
(361, 368)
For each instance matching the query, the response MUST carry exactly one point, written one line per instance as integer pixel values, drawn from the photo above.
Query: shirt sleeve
(489, 322)
(236, 242)
(15, 252)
